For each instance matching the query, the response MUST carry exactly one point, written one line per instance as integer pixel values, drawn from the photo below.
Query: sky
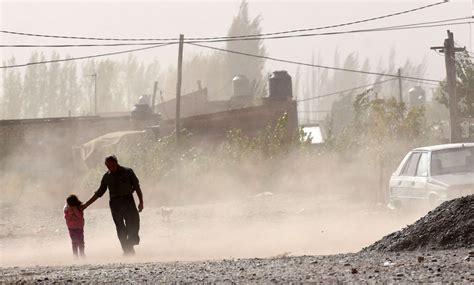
(205, 18)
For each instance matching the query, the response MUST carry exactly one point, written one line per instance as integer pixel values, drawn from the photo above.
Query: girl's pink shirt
(74, 217)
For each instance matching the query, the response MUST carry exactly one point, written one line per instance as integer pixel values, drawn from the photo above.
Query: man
(121, 182)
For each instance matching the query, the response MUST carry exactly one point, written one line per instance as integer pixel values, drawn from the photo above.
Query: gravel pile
(449, 226)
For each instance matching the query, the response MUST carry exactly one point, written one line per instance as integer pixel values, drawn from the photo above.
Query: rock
(420, 259)
(354, 271)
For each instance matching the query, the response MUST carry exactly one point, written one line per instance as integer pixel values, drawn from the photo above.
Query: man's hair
(111, 158)
(73, 201)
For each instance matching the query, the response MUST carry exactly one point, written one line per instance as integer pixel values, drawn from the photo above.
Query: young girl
(75, 223)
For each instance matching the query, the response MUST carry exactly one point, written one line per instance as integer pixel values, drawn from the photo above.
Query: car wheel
(433, 201)
(395, 205)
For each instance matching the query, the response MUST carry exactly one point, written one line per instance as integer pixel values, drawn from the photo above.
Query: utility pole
(449, 58)
(155, 89)
(400, 90)
(178, 86)
(95, 93)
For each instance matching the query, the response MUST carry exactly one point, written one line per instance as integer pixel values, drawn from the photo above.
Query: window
(410, 166)
(422, 169)
(454, 160)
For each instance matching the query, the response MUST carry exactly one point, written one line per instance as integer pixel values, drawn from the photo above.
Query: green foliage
(159, 159)
(376, 123)
(318, 82)
(272, 142)
(464, 86)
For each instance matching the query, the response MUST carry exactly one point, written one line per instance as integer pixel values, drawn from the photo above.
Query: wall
(39, 151)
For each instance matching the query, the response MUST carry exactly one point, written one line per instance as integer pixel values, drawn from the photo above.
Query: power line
(83, 57)
(343, 91)
(229, 37)
(431, 24)
(421, 82)
(313, 65)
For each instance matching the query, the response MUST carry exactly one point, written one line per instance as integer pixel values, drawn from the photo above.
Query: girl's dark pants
(77, 238)
(127, 221)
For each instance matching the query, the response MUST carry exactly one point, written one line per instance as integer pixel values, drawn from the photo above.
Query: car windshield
(454, 160)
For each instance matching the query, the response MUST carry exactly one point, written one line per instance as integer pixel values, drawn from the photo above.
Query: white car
(433, 174)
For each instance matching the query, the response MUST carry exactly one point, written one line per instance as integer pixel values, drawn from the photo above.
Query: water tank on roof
(142, 110)
(417, 96)
(280, 85)
(240, 86)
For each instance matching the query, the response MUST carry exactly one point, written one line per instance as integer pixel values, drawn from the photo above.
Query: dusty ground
(34, 244)
(438, 266)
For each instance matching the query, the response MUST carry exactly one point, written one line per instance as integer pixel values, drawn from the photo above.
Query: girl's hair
(73, 201)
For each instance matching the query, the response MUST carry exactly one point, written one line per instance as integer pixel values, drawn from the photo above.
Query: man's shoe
(129, 251)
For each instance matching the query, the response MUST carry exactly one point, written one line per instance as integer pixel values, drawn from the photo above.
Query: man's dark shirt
(120, 183)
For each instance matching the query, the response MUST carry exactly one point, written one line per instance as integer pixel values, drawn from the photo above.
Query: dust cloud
(300, 205)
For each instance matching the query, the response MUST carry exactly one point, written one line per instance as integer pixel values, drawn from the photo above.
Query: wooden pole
(449, 57)
(178, 87)
(400, 90)
(450, 61)
(155, 89)
(95, 94)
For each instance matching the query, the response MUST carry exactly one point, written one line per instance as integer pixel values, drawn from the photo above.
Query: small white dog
(166, 213)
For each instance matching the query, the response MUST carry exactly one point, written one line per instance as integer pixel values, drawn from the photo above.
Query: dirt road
(35, 245)
(439, 266)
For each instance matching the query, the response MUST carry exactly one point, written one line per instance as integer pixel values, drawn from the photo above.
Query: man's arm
(97, 194)
(136, 187)
(90, 201)
(140, 198)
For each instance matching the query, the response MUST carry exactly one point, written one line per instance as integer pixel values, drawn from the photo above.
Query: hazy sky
(198, 18)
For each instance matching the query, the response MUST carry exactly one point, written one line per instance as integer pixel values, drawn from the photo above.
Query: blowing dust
(302, 207)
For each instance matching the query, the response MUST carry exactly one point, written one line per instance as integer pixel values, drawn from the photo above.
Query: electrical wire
(431, 24)
(421, 82)
(313, 65)
(343, 91)
(230, 37)
(83, 57)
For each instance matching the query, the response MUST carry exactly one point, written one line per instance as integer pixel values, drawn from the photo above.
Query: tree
(34, 88)
(53, 104)
(12, 91)
(464, 86)
(109, 94)
(252, 68)
(69, 88)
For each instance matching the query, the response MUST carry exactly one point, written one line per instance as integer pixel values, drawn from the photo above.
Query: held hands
(140, 206)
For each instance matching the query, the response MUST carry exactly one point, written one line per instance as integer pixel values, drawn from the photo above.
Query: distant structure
(280, 85)
(142, 110)
(35, 144)
(416, 96)
(198, 103)
(241, 93)
(214, 118)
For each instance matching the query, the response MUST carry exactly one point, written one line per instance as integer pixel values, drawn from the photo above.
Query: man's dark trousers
(127, 221)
